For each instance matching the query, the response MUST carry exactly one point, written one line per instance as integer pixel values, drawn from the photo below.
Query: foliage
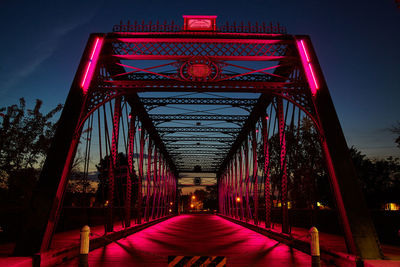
(25, 136)
(211, 201)
(307, 178)
(120, 173)
(380, 179)
(396, 130)
(208, 197)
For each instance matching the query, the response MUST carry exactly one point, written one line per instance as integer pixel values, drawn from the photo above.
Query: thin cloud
(42, 51)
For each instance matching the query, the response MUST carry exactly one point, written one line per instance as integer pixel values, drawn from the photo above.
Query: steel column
(232, 191)
(140, 178)
(247, 172)
(159, 189)
(267, 193)
(255, 176)
(155, 183)
(130, 174)
(148, 179)
(282, 143)
(241, 183)
(113, 161)
(236, 188)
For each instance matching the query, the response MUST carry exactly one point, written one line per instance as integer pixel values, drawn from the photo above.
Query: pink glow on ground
(307, 65)
(196, 235)
(91, 65)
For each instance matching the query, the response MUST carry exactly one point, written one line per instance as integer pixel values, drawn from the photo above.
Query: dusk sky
(357, 43)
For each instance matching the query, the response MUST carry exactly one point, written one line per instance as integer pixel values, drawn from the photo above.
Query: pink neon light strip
(313, 76)
(312, 80)
(305, 51)
(91, 64)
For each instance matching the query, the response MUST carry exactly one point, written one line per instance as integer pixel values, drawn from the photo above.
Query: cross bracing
(160, 101)
(228, 118)
(173, 139)
(196, 146)
(197, 129)
(197, 152)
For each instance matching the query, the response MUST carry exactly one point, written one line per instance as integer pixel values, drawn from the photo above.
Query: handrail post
(84, 249)
(315, 254)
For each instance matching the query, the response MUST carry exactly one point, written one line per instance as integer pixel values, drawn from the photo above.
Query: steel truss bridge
(151, 102)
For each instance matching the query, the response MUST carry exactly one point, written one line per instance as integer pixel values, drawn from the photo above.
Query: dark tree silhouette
(120, 179)
(307, 177)
(396, 130)
(380, 179)
(25, 136)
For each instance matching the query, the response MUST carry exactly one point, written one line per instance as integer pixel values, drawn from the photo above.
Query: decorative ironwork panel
(198, 101)
(198, 129)
(166, 48)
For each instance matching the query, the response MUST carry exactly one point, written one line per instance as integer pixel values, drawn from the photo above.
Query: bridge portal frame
(101, 77)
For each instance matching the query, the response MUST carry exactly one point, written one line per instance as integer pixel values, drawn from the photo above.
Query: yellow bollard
(84, 250)
(315, 255)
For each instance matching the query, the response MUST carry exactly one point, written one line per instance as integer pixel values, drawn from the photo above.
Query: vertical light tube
(307, 66)
(91, 65)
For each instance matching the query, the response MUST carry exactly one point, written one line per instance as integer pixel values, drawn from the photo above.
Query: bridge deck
(190, 235)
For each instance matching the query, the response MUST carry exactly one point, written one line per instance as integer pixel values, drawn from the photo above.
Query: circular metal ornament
(199, 69)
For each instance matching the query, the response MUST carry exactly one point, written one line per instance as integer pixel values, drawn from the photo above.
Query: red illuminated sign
(199, 23)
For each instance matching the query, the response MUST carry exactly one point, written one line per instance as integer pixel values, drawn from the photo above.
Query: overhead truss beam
(160, 101)
(197, 139)
(197, 129)
(228, 118)
(197, 146)
(196, 152)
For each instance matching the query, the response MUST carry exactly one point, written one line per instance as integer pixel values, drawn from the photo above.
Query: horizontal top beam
(191, 40)
(198, 101)
(227, 58)
(229, 118)
(197, 152)
(197, 146)
(197, 129)
(197, 139)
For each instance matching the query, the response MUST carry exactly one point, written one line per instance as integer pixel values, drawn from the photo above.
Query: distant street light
(238, 199)
(193, 197)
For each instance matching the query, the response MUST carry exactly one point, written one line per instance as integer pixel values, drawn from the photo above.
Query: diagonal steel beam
(139, 110)
(258, 110)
